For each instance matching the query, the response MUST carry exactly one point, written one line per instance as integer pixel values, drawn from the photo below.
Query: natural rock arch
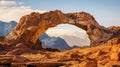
(32, 26)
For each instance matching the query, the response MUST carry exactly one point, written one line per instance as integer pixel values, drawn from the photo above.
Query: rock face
(32, 26)
(115, 30)
(98, 56)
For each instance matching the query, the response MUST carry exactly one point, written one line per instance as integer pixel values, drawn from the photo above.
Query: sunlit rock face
(32, 26)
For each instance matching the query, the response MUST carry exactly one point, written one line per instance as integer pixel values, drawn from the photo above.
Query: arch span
(32, 26)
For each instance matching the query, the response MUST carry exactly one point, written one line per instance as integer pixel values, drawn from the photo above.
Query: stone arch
(32, 26)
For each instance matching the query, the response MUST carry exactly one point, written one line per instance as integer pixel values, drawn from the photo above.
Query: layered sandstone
(106, 55)
(17, 49)
(32, 26)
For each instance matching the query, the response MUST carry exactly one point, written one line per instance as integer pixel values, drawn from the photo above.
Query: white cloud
(4, 3)
(72, 37)
(11, 10)
(21, 3)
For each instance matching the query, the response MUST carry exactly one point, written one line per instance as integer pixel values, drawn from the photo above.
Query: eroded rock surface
(17, 49)
(32, 26)
(106, 55)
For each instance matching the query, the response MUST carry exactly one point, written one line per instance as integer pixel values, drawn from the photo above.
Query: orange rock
(32, 26)
(92, 63)
(115, 53)
(114, 41)
(19, 59)
(115, 56)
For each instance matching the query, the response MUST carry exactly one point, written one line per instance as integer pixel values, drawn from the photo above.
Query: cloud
(72, 37)
(4, 3)
(11, 10)
(21, 3)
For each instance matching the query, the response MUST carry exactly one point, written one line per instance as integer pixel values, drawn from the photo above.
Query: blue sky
(106, 12)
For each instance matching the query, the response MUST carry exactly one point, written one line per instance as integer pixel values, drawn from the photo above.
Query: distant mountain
(5, 28)
(75, 46)
(44, 36)
(75, 40)
(56, 43)
(72, 37)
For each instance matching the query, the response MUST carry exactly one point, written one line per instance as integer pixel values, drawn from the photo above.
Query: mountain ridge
(6, 28)
(56, 43)
(73, 35)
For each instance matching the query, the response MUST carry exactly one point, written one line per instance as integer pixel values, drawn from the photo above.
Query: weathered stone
(18, 65)
(115, 56)
(19, 49)
(32, 26)
(114, 41)
(115, 53)
(92, 63)
(5, 59)
(39, 64)
(19, 59)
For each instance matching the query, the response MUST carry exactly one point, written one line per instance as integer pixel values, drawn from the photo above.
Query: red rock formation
(115, 30)
(15, 48)
(107, 55)
(32, 26)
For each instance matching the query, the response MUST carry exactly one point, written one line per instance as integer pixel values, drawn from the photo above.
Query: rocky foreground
(106, 55)
(22, 47)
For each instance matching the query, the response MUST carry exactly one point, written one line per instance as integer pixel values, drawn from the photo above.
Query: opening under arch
(71, 34)
(32, 26)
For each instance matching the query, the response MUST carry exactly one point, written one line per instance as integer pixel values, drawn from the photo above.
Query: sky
(106, 12)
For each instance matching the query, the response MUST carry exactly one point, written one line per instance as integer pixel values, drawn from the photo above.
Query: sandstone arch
(31, 26)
